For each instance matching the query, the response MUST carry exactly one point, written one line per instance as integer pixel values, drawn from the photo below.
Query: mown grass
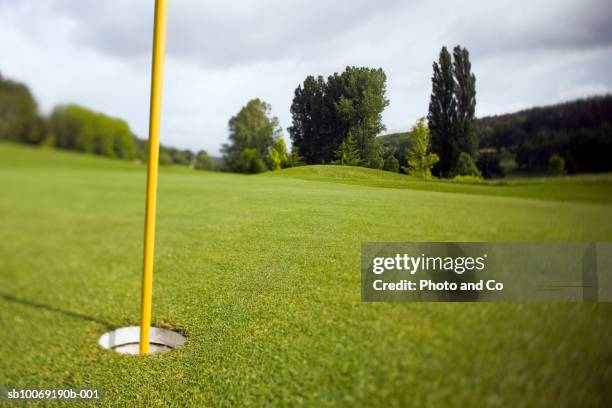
(262, 275)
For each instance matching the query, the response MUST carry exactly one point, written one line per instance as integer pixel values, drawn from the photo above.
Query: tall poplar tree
(465, 97)
(441, 116)
(451, 110)
(311, 132)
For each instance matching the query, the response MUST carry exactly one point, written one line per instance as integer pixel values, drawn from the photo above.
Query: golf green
(261, 274)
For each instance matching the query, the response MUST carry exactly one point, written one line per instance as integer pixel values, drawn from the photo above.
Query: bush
(347, 154)
(391, 164)
(277, 157)
(251, 162)
(556, 165)
(466, 167)
(468, 179)
(488, 164)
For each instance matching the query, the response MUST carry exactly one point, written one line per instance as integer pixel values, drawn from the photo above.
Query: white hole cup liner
(125, 340)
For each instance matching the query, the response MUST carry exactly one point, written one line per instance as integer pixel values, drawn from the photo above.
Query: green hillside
(261, 273)
(584, 188)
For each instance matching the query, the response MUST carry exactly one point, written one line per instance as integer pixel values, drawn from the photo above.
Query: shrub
(277, 157)
(468, 179)
(251, 162)
(556, 165)
(391, 164)
(347, 154)
(465, 166)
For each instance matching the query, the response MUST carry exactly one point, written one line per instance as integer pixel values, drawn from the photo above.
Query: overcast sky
(221, 54)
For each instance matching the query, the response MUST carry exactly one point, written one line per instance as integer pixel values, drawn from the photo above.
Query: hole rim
(122, 340)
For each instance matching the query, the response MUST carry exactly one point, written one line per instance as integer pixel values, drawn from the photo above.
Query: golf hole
(125, 340)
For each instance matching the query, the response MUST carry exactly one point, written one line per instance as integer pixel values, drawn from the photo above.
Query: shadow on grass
(69, 313)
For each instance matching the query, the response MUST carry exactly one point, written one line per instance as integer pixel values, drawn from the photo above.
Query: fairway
(261, 274)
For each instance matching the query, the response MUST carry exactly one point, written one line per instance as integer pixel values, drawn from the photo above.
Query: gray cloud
(518, 26)
(221, 34)
(221, 54)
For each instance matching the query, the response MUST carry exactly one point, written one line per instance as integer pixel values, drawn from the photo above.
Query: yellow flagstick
(159, 45)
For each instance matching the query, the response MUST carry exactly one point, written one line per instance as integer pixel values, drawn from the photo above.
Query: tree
(451, 109)
(165, 158)
(203, 161)
(465, 99)
(325, 112)
(395, 144)
(182, 157)
(19, 120)
(347, 154)
(442, 111)
(359, 108)
(277, 157)
(466, 166)
(167, 155)
(251, 162)
(121, 137)
(312, 132)
(295, 160)
(420, 160)
(489, 164)
(76, 128)
(391, 164)
(253, 128)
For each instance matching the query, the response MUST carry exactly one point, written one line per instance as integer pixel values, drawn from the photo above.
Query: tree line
(334, 120)
(337, 120)
(73, 127)
(566, 138)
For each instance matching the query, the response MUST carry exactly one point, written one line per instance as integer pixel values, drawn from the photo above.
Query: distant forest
(73, 127)
(579, 132)
(336, 120)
